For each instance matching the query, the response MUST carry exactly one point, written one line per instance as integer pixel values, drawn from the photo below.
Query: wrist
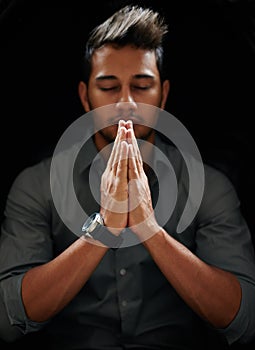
(156, 239)
(146, 229)
(114, 231)
(115, 226)
(95, 230)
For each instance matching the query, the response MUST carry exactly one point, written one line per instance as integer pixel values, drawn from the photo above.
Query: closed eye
(108, 88)
(141, 87)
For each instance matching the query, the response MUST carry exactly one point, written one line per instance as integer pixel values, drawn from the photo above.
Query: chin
(142, 132)
(109, 133)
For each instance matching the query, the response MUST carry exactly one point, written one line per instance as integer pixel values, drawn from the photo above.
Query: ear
(165, 92)
(83, 93)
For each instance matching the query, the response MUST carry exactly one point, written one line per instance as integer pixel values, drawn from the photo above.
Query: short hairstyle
(140, 27)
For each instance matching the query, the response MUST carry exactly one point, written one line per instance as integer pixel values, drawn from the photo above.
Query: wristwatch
(94, 228)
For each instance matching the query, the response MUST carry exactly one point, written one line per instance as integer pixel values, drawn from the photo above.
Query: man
(163, 288)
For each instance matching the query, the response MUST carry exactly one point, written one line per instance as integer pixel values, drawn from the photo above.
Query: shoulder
(38, 171)
(217, 181)
(220, 196)
(33, 179)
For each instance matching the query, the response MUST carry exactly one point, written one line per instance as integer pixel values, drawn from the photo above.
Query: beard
(107, 127)
(142, 132)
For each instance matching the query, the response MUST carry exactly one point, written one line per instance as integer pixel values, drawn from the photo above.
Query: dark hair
(131, 25)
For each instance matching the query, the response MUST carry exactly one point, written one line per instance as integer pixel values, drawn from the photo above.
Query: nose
(126, 106)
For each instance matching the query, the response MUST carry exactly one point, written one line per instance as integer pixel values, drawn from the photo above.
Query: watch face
(92, 222)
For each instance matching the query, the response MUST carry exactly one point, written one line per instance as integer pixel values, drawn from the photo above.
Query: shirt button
(123, 272)
(124, 303)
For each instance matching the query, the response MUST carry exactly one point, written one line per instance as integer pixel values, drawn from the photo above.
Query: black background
(211, 56)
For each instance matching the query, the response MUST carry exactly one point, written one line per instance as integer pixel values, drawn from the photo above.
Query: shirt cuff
(10, 291)
(241, 329)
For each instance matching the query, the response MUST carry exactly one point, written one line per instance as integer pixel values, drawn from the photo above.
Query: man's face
(123, 78)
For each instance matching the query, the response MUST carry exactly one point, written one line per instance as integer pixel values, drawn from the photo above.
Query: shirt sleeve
(223, 240)
(25, 242)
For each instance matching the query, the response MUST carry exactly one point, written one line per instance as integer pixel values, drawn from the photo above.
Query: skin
(117, 77)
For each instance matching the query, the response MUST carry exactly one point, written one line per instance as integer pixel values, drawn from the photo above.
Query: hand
(141, 216)
(114, 184)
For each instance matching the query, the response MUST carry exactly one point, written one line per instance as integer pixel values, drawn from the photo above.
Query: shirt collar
(87, 154)
(162, 157)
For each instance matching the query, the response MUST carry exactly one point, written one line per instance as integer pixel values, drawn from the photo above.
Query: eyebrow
(105, 77)
(143, 76)
(113, 77)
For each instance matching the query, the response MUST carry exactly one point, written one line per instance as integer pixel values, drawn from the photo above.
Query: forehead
(109, 60)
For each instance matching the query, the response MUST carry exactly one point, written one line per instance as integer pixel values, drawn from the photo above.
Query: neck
(101, 145)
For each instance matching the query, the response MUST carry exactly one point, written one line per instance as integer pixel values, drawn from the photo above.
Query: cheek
(99, 99)
(141, 129)
(153, 97)
(103, 117)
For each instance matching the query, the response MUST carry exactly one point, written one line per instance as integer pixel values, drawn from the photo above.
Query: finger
(137, 154)
(132, 166)
(121, 172)
(135, 144)
(129, 124)
(121, 135)
(121, 123)
(117, 155)
(112, 155)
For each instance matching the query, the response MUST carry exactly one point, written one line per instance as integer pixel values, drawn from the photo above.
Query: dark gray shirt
(127, 300)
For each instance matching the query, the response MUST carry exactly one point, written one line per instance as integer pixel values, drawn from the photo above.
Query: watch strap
(102, 234)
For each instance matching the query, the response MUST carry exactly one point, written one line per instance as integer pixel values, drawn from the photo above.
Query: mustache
(135, 118)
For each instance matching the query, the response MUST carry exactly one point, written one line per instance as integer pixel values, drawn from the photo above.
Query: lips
(134, 120)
